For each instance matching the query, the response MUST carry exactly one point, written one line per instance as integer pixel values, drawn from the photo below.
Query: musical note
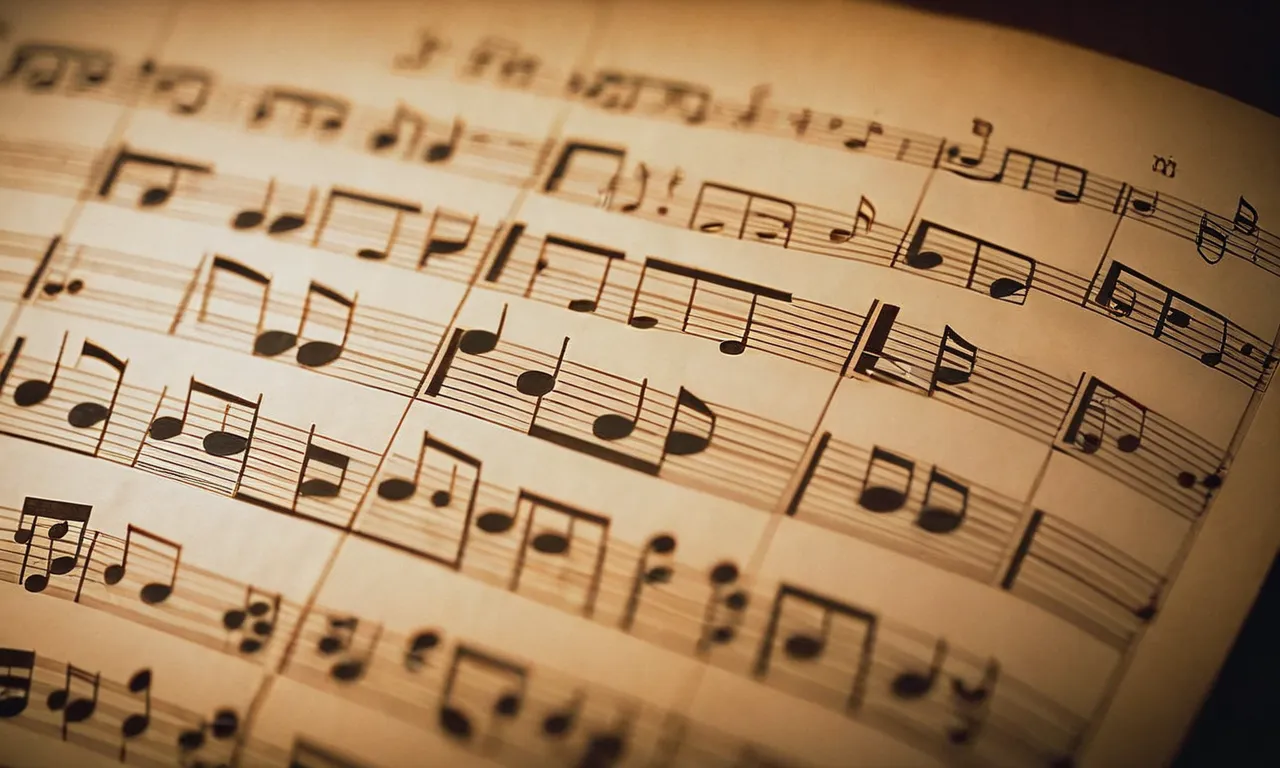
(255, 620)
(911, 684)
(622, 91)
(684, 441)
(955, 154)
(866, 216)
(615, 426)
(1098, 405)
(938, 516)
(315, 353)
(390, 136)
(647, 574)
(153, 195)
(955, 363)
(870, 348)
(502, 682)
(137, 723)
(92, 67)
(252, 218)
(216, 442)
(517, 69)
(442, 151)
(84, 414)
(642, 173)
(553, 531)
(755, 107)
(724, 596)
(224, 725)
(858, 143)
(573, 151)
(18, 668)
(976, 264)
(398, 208)
(321, 487)
(308, 103)
(569, 250)
(1211, 240)
(844, 634)
(748, 209)
(339, 641)
(1245, 221)
(419, 645)
(66, 514)
(428, 45)
(539, 384)
(153, 592)
(75, 708)
(973, 703)
(661, 296)
(176, 81)
(1140, 202)
(401, 489)
(473, 341)
(880, 494)
(443, 246)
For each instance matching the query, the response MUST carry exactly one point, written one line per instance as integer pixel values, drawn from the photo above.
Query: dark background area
(1234, 48)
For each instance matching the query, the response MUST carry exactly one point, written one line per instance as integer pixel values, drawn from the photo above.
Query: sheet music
(620, 384)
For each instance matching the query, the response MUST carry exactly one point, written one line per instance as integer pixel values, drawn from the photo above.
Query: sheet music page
(620, 384)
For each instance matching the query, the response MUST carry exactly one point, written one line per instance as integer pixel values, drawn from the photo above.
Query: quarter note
(68, 519)
(154, 591)
(498, 683)
(442, 151)
(912, 684)
(252, 218)
(437, 245)
(315, 353)
(137, 723)
(390, 136)
(152, 195)
(17, 668)
(417, 647)
(536, 383)
(75, 707)
(982, 129)
(472, 341)
(615, 426)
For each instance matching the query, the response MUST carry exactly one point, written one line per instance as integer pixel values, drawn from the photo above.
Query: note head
(189, 741)
(140, 681)
(165, 428)
(643, 322)
(1212, 481)
(732, 347)
(724, 573)
(59, 529)
(30, 393)
(1066, 196)
(723, 635)
(911, 685)
(880, 499)
(558, 724)
(84, 415)
(272, 343)
(425, 640)
(250, 645)
(80, 710)
(802, 647)
(319, 488)
(455, 723)
(396, 489)
(477, 342)
(63, 564)
(582, 305)
(712, 226)
(1178, 317)
(113, 574)
(12, 707)
(220, 443)
(316, 354)
(924, 259)
(286, 223)
(381, 140)
(659, 574)
(508, 705)
(22, 536)
(1141, 206)
(331, 124)
(36, 582)
(1129, 443)
(225, 723)
(551, 543)
(1146, 612)
(347, 671)
(233, 619)
(57, 699)
(937, 520)
(247, 220)
(612, 426)
(371, 254)
(841, 235)
(1211, 359)
(685, 444)
(155, 593)
(663, 543)
(1090, 443)
(1004, 287)
(535, 383)
(134, 726)
(604, 749)
(154, 196)
(494, 521)
(952, 376)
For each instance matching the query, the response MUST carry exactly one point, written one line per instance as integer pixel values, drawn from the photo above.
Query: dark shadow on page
(1228, 46)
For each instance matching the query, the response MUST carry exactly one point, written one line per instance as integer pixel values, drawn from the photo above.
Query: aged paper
(620, 383)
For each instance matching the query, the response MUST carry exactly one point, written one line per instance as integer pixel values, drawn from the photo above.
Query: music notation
(523, 387)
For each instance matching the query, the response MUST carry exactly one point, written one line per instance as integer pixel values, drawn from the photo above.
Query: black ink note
(137, 723)
(68, 519)
(16, 670)
(153, 195)
(315, 353)
(75, 706)
(154, 591)
(649, 575)
(331, 110)
(254, 620)
(216, 442)
(760, 216)
(508, 679)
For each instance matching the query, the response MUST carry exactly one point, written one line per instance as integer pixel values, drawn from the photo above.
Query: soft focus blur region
(1228, 46)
